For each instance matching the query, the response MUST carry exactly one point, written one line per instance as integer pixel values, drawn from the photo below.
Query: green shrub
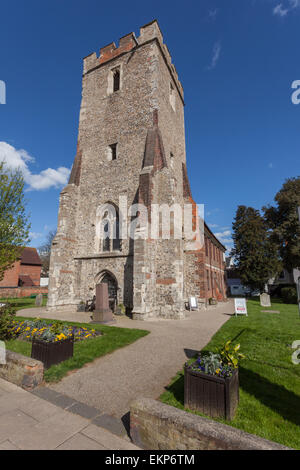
(276, 292)
(7, 314)
(289, 295)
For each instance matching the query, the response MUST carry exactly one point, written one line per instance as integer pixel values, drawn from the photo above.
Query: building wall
(11, 276)
(33, 271)
(18, 292)
(214, 271)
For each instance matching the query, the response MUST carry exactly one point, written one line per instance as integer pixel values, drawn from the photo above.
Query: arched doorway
(111, 281)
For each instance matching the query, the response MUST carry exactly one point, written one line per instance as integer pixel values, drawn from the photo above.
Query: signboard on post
(193, 304)
(240, 307)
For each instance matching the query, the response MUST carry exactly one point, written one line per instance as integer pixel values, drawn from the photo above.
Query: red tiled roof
(30, 256)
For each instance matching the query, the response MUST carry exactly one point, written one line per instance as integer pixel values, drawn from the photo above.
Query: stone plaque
(265, 300)
(39, 300)
(102, 312)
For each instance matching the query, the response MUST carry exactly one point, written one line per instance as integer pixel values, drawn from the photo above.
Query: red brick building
(26, 271)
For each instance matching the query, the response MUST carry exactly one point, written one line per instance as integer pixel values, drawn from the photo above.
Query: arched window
(116, 80)
(108, 228)
(106, 238)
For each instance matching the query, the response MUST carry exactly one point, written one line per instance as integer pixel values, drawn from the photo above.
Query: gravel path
(143, 368)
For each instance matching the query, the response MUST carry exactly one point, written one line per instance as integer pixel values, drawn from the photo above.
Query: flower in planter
(221, 364)
(230, 355)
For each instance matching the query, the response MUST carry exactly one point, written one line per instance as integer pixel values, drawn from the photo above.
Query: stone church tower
(131, 147)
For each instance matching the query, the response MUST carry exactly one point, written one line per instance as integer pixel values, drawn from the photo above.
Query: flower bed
(28, 330)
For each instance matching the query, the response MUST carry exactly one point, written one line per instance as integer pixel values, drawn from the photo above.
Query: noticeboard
(193, 302)
(240, 307)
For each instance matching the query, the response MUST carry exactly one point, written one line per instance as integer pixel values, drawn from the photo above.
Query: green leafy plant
(289, 295)
(57, 327)
(212, 362)
(7, 315)
(230, 354)
(122, 309)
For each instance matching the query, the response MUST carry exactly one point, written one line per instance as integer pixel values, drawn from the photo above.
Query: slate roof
(30, 256)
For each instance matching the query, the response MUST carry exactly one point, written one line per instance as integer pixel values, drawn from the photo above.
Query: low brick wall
(21, 370)
(18, 292)
(157, 426)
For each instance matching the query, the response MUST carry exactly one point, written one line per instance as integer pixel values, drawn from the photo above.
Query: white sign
(240, 307)
(2, 353)
(193, 302)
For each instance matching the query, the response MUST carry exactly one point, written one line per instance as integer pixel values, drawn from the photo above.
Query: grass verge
(23, 302)
(269, 382)
(84, 351)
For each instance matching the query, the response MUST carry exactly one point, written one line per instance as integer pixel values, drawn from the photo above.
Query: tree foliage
(14, 224)
(256, 255)
(283, 220)
(45, 252)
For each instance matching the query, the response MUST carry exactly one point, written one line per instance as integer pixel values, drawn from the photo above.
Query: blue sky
(236, 60)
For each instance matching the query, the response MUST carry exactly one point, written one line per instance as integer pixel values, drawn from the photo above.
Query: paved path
(28, 422)
(143, 368)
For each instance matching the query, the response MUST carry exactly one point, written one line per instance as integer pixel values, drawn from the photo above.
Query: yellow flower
(217, 371)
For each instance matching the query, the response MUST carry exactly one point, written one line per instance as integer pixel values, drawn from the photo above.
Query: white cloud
(226, 233)
(212, 14)
(35, 235)
(212, 225)
(46, 179)
(295, 3)
(215, 55)
(49, 178)
(282, 9)
(225, 238)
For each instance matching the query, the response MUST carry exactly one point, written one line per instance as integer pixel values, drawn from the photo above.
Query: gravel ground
(143, 368)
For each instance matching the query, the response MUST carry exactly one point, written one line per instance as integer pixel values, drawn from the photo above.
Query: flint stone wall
(22, 370)
(157, 426)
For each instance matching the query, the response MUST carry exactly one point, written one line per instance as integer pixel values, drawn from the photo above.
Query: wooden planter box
(52, 353)
(211, 395)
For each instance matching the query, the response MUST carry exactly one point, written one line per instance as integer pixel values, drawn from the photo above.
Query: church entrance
(112, 290)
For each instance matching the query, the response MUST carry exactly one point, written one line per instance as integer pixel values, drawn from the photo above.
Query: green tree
(45, 252)
(283, 220)
(256, 255)
(14, 225)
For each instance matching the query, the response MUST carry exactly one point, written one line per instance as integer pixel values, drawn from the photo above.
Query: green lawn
(23, 302)
(269, 381)
(84, 351)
